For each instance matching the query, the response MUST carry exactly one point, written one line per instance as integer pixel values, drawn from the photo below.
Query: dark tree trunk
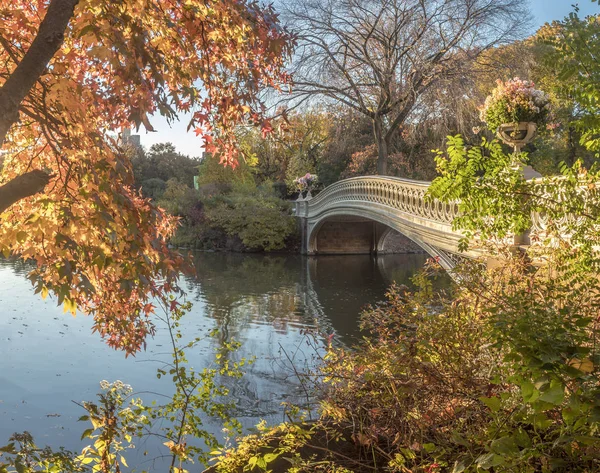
(31, 67)
(22, 186)
(382, 146)
(48, 40)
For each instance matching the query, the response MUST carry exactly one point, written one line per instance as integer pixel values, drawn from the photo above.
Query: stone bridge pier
(351, 235)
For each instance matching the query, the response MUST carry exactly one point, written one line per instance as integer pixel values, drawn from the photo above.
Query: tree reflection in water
(266, 302)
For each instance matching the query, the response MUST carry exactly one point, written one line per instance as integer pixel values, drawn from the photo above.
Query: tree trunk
(48, 40)
(382, 146)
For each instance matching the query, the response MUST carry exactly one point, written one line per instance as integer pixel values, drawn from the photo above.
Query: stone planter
(517, 135)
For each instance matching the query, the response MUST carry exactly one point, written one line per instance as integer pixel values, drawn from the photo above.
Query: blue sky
(187, 143)
(548, 10)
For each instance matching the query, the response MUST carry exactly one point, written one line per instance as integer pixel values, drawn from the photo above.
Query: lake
(266, 302)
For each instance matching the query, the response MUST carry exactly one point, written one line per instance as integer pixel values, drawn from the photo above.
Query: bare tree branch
(379, 57)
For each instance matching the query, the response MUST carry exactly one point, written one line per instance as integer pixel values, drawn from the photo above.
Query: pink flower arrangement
(305, 182)
(515, 101)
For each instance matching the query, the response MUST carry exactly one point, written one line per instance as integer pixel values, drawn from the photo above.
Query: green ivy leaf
(489, 460)
(555, 393)
(493, 403)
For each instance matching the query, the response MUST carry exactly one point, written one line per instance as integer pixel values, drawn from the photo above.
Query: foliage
(211, 171)
(515, 101)
(364, 163)
(486, 211)
(306, 182)
(296, 145)
(532, 59)
(178, 198)
(154, 188)
(381, 58)
(260, 219)
(501, 373)
(74, 74)
(496, 201)
(197, 393)
(119, 421)
(554, 373)
(21, 454)
(414, 383)
(228, 211)
(161, 163)
(349, 132)
(463, 386)
(575, 46)
(113, 427)
(290, 446)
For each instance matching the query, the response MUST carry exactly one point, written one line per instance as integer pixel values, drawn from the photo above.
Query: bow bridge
(375, 213)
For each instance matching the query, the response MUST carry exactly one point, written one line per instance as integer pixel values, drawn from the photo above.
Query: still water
(267, 303)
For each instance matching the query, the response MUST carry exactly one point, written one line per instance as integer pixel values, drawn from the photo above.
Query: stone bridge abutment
(351, 235)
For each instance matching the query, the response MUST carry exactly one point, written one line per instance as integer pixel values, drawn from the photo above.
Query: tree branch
(22, 186)
(48, 40)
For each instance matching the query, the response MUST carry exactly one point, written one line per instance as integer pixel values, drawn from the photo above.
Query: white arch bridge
(364, 214)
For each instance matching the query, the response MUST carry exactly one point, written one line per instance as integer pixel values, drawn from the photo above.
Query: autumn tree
(75, 72)
(294, 148)
(379, 57)
(349, 132)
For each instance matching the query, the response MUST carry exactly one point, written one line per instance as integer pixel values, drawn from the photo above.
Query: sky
(187, 143)
(548, 10)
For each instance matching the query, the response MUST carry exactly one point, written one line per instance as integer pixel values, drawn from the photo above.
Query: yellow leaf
(70, 305)
(586, 365)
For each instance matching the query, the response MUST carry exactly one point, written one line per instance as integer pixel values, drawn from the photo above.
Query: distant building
(130, 140)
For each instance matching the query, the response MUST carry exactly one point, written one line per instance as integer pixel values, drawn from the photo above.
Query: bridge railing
(404, 195)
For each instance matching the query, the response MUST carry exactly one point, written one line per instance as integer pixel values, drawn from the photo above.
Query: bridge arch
(395, 203)
(379, 233)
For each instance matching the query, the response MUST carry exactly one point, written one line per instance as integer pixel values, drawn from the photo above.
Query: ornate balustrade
(399, 204)
(398, 194)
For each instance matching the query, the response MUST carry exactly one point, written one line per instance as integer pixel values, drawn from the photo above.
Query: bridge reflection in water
(295, 292)
(270, 302)
(267, 303)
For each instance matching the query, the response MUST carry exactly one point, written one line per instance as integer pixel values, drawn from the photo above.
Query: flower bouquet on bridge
(514, 110)
(305, 184)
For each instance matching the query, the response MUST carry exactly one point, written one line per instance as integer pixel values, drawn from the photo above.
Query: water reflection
(267, 303)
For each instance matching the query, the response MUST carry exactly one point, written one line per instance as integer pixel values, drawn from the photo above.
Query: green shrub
(261, 220)
(154, 188)
(211, 171)
(178, 198)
